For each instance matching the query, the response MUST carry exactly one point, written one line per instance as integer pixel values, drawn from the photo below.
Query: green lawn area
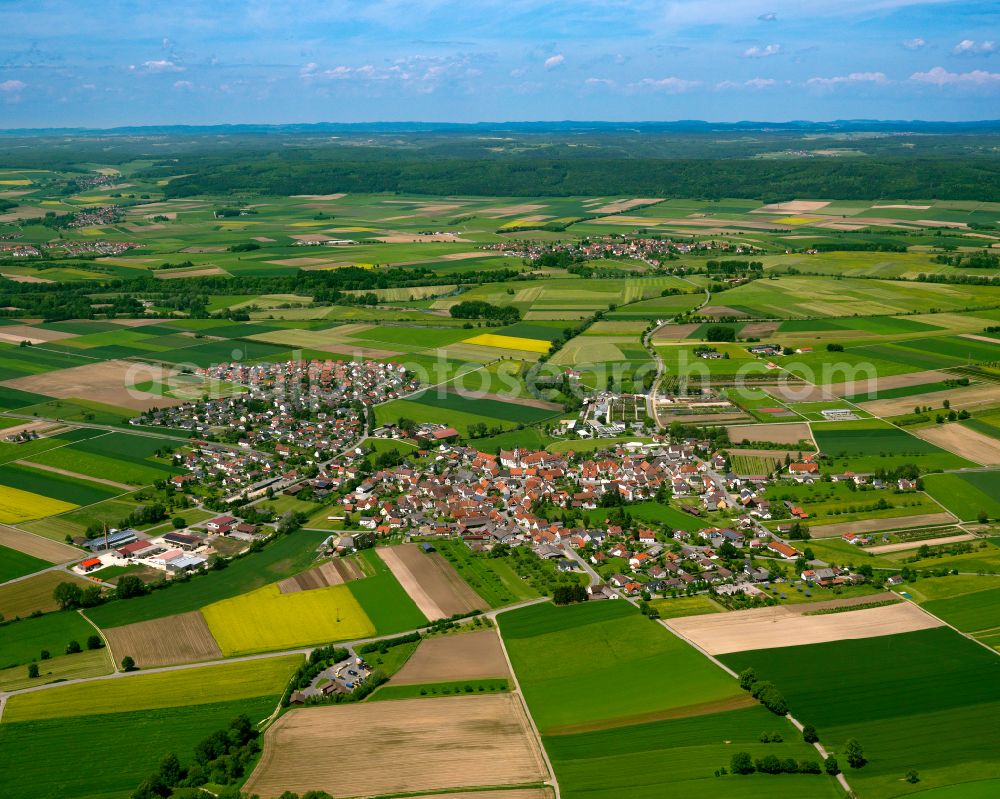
(924, 700)
(564, 656)
(383, 599)
(655, 512)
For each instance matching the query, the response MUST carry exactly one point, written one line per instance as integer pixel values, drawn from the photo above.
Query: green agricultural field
(926, 702)
(867, 445)
(687, 752)
(22, 641)
(157, 690)
(384, 600)
(17, 564)
(58, 668)
(975, 613)
(967, 494)
(281, 558)
(34, 754)
(52, 484)
(561, 654)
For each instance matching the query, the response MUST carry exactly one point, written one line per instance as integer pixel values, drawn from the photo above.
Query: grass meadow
(35, 755)
(923, 700)
(155, 690)
(600, 664)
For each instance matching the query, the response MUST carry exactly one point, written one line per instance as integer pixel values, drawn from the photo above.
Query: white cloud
(183, 84)
(554, 61)
(753, 83)
(671, 85)
(12, 86)
(854, 77)
(770, 16)
(914, 44)
(971, 47)
(939, 76)
(422, 73)
(599, 82)
(762, 52)
(160, 65)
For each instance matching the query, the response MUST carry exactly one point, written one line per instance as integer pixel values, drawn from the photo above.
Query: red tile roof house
(784, 550)
(220, 522)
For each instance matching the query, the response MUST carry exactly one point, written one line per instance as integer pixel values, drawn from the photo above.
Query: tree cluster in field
(742, 763)
(57, 301)
(720, 333)
(222, 759)
(975, 260)
(764, 692)
(72, 648)
(480, 309)
(568, 594)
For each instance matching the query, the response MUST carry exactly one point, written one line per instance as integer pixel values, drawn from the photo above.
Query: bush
(128, 664)
(32, 671)
(830, 766)
(854, 753)
(809, 734)
(95, 642)
(741, 763)
(73, 647)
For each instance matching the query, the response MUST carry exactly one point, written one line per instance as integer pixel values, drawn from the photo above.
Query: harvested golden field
(112, 381)
(959, 398)
(437, 745)
(462, 656)
(964, 442)
(786, 625)
(24, 597)
(790, 433)
(184, 638)
(36, 546)
(877, 525)
(430, 581)
(334, 572)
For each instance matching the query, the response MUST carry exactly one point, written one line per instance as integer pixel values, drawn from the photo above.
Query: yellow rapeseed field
(20, 506)
(509, 342)
(266, 619)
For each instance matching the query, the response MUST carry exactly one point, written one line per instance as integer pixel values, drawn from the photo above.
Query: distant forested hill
(769, 180)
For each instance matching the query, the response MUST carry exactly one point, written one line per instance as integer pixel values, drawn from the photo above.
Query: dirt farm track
(438, 745)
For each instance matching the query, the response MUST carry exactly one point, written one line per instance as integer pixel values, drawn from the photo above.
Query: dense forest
(767, 180)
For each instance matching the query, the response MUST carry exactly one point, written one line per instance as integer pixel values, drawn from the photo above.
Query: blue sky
(119, 62)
